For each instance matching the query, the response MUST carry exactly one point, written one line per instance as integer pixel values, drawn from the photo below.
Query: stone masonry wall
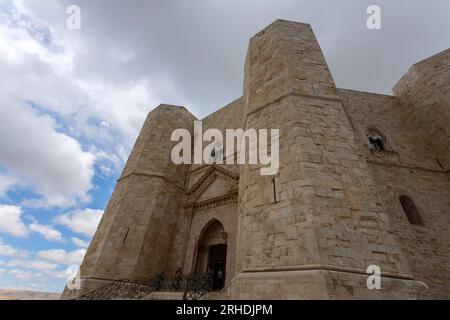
(141, 223)
(330, 220)
(425, 95)
(410, 169)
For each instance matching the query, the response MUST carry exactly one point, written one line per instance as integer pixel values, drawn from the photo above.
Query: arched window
(377, 140)
(410, 210)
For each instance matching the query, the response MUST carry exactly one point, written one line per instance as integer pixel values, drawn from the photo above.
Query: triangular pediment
(215, 182)
(217, 188)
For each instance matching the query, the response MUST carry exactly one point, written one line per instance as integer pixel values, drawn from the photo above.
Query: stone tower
(425, 92)
(329, 225)
(336, 207)
(144, 209)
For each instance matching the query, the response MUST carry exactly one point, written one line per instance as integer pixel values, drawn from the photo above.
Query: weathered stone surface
(333, 209)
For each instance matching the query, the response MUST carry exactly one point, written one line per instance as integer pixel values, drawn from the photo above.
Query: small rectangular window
(276, 189)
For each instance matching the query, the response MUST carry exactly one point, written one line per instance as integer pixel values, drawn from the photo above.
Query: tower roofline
(165, 105)
(435, 56)
(172, 106)
(279, 22)
(416, 67)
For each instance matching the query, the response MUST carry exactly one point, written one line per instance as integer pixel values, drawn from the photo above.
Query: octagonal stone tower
(425, 93)
(329, 224)
(141, 223)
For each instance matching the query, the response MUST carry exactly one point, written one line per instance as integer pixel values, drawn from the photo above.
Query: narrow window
(276, 192)
(126, 236)
(410, 210)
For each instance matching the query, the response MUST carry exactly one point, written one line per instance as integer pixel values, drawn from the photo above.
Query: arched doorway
(212, 253)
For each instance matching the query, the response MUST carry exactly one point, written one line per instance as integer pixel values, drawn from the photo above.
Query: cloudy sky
(73, 101)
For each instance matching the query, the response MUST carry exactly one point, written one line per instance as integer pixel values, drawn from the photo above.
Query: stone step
(168, 295)
(215, 295)
(164, 295)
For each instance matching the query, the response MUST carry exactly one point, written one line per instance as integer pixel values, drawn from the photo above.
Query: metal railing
(197, 285)
(194, 286)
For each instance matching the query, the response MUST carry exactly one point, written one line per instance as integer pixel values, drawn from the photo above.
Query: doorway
(217, 263)
(211, 254)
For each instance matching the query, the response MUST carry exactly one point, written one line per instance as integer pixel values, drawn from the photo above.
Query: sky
(73, 101)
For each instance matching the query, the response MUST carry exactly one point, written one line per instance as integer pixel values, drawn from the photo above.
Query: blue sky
(73, 101)
(45, 226)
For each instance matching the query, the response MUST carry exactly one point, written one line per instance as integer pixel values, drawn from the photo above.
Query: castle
(363, 181)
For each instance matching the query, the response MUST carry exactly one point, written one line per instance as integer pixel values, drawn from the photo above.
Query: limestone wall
(330, 221)
(410, 169)
(141, 223)
(425, 95)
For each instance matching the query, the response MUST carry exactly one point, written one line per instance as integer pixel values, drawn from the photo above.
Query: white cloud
(42, 265)
(81, 221)
(65, 273)
(77, 108)
(34, 149)
(47, 231)
(62, 256)
(11, 221)
(6, 183)
(32, 264)
(21, 274)
(9, 251)
(80, 242)
(105, 170)
(53, 163)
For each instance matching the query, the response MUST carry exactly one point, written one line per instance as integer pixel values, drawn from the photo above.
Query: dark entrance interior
(211, 256)
(217, 263)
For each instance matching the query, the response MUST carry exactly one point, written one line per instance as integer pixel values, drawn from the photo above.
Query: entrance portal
(212, 254)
